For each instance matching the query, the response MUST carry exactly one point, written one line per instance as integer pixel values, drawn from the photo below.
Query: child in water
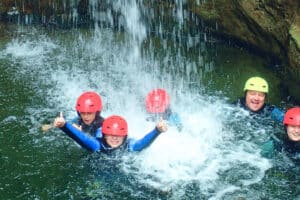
(256, 90)
(89, 119)
(88, 107)
(112, 135)
(290, 142)
(158, 105)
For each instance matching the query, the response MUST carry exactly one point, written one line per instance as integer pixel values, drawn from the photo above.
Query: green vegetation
(295, 33)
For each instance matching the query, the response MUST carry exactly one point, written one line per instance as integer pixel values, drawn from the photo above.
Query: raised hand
(59, 121)
(162, 125)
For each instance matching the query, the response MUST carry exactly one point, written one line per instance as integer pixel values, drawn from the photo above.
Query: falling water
(215, 156)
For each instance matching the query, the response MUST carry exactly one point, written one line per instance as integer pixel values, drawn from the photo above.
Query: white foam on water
(204, 152)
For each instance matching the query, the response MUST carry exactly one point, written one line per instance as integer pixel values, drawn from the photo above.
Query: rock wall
(270, 26)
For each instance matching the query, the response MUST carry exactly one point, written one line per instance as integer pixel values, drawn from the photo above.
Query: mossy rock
(295, 34)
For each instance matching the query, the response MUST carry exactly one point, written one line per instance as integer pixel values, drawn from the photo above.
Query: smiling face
(114, 141)
(88, 117)
(255, 100)
(293, 132)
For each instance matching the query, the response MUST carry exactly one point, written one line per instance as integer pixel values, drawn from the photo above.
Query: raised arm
(138, 145)
(84, 140)
(88, 142)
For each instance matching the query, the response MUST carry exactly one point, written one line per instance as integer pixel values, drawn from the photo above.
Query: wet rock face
(265, 25)
(42, 10)
(294, 46)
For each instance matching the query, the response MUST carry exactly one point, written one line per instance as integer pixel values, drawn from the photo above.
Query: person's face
(114, 141)
(255, 100)
(88, 117)
(293, 133)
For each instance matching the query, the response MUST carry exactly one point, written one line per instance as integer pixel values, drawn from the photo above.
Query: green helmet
(257, 84)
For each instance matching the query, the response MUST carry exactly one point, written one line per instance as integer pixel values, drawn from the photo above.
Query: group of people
(256, 90)
(95, 133)
(90, 130)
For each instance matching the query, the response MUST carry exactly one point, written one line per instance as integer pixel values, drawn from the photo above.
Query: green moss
(207, 10)
(295, 33)
(209, 14)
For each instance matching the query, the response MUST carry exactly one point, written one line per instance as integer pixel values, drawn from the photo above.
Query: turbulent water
(215, 156)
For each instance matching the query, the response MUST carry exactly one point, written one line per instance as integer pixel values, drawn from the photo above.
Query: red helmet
(115, 125)
(157, 101)
(292, 117)
(89, 102)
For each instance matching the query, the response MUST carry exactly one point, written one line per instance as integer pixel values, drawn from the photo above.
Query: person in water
(88, 107)
(290, 141)
(158, 105)
(112, 135)
(256, 90)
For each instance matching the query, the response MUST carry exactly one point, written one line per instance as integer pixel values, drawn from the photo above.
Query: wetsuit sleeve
(277, 114)
(138, 145)
(86, 141)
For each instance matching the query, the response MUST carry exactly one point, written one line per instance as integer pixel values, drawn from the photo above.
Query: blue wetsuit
(97, 142)
(266, 111)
